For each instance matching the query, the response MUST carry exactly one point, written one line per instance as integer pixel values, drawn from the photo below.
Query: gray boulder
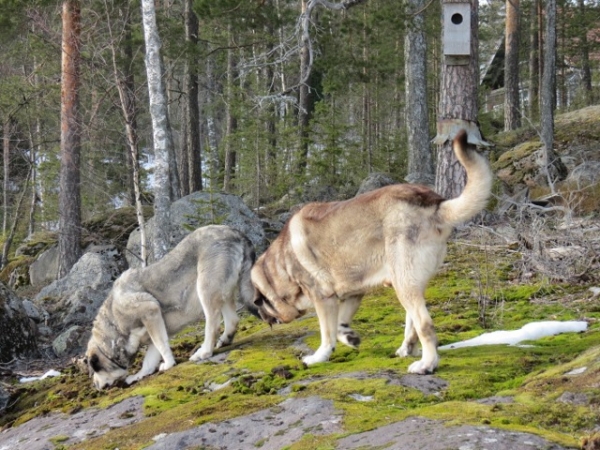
(375, 181)
(18, 336)
(76, 298)
(194, 211)
(75, 337)
(45, 268)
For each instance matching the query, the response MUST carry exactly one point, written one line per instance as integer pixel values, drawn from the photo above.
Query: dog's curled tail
(475, 195)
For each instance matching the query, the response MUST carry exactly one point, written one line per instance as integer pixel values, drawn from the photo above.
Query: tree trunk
(126, 88)
(130, 105)
(551, 164)
(230, 119)
(420, 158)
(270, 122)
(69, 200)
(194, 164)
(512, 104)
(161, 129)
(34, 138)
(303, 100)
(586, 72)
(6, 171)
(211, 125)
(534, 64)
(458, 100)
(13, 229)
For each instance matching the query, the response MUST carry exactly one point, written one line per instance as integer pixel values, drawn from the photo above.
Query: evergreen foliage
(356, 91)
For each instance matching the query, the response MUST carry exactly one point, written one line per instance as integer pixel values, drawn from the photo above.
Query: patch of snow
(50, 373)
(529, 332)
(577, 371)
(361, 398)
(160, 436)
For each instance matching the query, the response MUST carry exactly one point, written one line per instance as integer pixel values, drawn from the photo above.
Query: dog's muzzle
(265, 310)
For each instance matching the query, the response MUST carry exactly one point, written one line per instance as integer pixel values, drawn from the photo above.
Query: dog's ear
(94, 363)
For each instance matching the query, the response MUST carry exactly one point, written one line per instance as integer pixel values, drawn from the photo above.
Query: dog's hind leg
(327, 312)
(409, 345)
(212, 316)
(230, 320)
(151, 361)
(347, 309)
(413, 301)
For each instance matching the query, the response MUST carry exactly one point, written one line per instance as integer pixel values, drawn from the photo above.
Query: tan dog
(329, 254)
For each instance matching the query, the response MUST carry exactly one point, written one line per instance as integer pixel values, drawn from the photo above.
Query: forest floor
(257, 393)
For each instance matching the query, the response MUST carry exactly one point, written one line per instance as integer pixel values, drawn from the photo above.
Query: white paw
(408, 350)
(166, 365)
(201, 354)
(421, 368)
(133, 378)
(321, 355)
(349, 337)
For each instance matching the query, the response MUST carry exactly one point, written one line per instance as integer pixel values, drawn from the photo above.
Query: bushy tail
(479, 184)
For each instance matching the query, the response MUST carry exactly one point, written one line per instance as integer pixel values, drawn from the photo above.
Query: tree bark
(512, 104)
(13, 229)
(551, 164)
(458, 100)
(420, 158)
(194, 158)
(303, 99)
(230, 119)
(534, 63)
(6, 170)
(69, 201)
(211, 125)
(126, 87)
(586, 72)
(161, 131)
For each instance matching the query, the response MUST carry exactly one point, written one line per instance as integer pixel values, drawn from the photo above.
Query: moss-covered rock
(18, 335)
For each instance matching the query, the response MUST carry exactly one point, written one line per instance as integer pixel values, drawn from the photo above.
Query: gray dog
(203, 273)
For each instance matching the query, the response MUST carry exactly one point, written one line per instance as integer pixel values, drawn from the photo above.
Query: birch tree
(512, 107)
(161, 130)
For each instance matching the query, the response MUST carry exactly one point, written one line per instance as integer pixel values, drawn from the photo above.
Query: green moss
(264, 361)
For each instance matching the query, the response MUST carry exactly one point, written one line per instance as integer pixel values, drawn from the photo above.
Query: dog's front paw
(201, 354)
(421, 368)
(321, 355)
(166, 365)
(133, 378)
(348, 336)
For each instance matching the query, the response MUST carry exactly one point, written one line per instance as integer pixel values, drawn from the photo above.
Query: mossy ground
(477, 290)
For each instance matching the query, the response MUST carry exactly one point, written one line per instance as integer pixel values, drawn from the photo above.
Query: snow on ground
(529, 332)
(50, 373)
